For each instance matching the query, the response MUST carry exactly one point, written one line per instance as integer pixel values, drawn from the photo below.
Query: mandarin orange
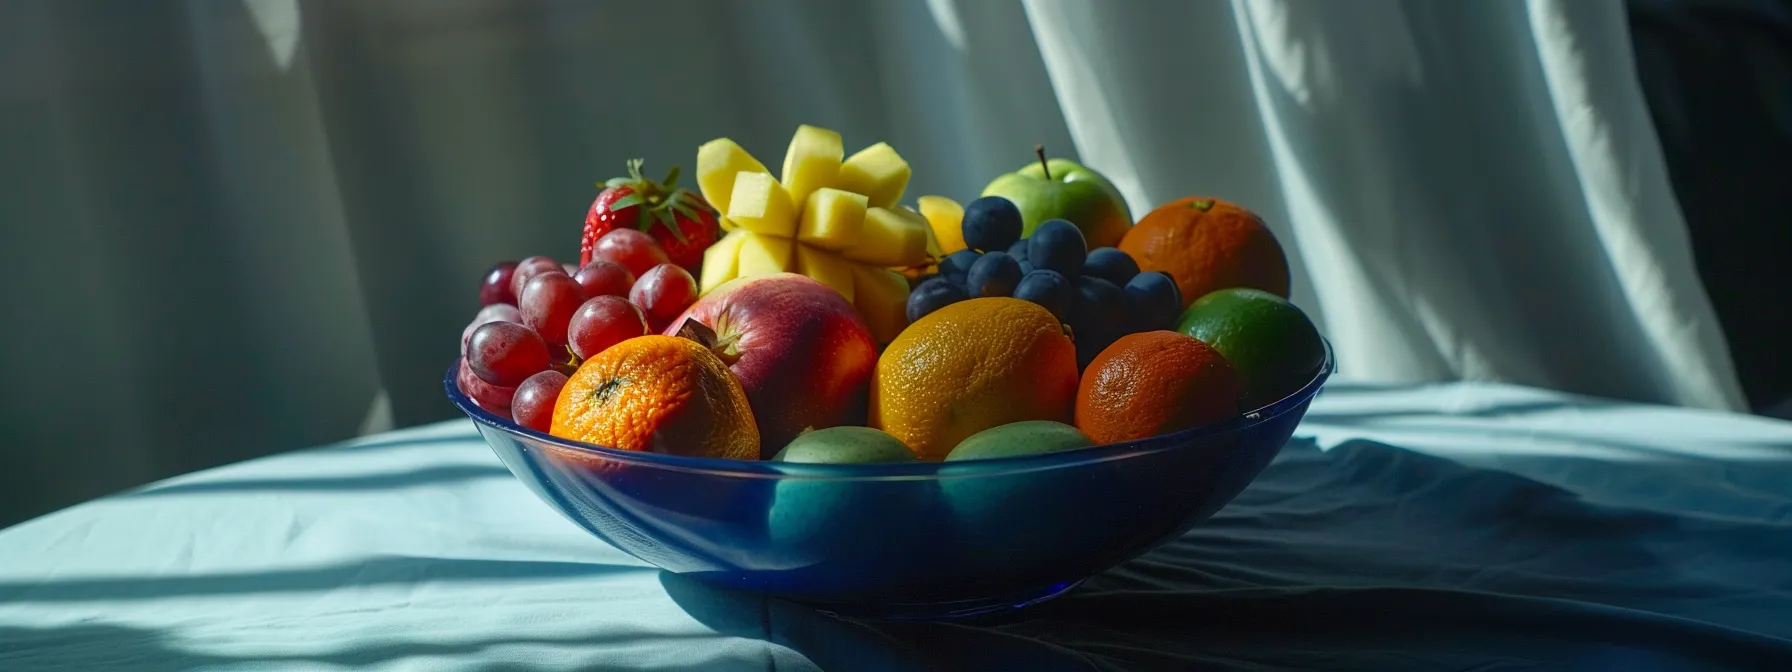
(1155, 382)
(662, 394)
(1207, 244)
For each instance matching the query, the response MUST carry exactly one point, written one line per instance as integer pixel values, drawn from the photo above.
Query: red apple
(802, 353)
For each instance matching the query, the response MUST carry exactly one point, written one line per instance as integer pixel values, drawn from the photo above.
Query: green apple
(1064, 189)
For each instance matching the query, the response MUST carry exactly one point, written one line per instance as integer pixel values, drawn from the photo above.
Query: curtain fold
(239, 222)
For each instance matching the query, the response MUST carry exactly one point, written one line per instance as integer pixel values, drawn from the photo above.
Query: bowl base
(981, 610)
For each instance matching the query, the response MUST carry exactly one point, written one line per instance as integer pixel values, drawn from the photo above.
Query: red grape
(602, 322)
(497, 312)
(547, 304)
(604, 278)
(634, 250)
(663, 294)
(496, 287)
(506, 353)
(526, 270)
(533, 405)
(489, 397)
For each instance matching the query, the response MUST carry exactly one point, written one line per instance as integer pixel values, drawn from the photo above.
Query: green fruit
(1070, 191)
(1268, 340)
(845, 445)
(1018, 439)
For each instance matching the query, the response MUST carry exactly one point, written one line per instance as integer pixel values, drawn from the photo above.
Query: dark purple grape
(496, 286)
(991, 224)
(957, 265)
(996, 274)
(1050, 289)
(1058, 245)
(1112, 265)
(547, 304)
(604, 321)
(532, 405)
(931, 296)
(1155, 301)
(1099, 317)
(506, 353)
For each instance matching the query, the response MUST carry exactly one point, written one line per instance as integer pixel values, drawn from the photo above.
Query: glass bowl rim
(903, 471)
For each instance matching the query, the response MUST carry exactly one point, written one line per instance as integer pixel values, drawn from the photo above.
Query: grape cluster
(1100, 293)
(536, 309)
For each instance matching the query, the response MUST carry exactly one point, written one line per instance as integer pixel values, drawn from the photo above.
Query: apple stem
(1040, 150)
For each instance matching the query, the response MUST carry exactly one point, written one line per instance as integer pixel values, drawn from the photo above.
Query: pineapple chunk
(721, 262)
(832, 219)
(811, 162)
(946, 217)
(763, 255)
(761, 205)
(717, 162)
(878, 172)
(890, 238)
(881, 295)
(826, 268)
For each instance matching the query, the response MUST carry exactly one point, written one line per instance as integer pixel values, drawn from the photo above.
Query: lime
(1017, 439)
(1268, 340)
(844, 445)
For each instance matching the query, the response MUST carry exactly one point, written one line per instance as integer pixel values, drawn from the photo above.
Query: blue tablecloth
(1460, 526)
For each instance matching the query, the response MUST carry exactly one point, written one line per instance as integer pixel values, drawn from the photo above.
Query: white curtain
(232, 226)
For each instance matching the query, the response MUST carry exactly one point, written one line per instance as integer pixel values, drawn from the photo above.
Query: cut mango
(721, 262)
(832, 219)
(761, 205)
(878, 172)
(763, 255)
(890, 238)
(811, 162)
(717, 162)
(826, 268)
(882, 299)
(946, 217)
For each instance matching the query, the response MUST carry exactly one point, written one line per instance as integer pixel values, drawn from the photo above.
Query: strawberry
(682, 222)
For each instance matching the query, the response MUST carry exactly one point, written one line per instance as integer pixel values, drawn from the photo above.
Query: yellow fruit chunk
(832, 219)
(761, 205)
(946, 217)
(881, 296)
(878, 172)
(763, 255)
(890, 238)
(811, 162)
(717, 162)
(826, 268)
(721, 262)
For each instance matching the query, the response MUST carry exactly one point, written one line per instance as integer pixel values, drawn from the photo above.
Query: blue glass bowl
(928, 540)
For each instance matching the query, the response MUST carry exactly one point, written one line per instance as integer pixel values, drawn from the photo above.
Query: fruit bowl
(924, 540)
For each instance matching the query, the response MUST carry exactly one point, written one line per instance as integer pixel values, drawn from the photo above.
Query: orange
(1155, 382)
(971, 366)
(1207, 244)
(662, 394)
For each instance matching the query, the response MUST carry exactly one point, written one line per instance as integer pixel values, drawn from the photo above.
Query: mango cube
(717, 162)
(946, 217)
(763, 255)
(721, 262)
(761, 205)
(881, 296)
(811, 162)
(878, 172)
(890, 238)
(826, 268)
(832, 219)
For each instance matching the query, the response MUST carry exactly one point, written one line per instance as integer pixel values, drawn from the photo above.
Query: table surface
(1430, 527)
